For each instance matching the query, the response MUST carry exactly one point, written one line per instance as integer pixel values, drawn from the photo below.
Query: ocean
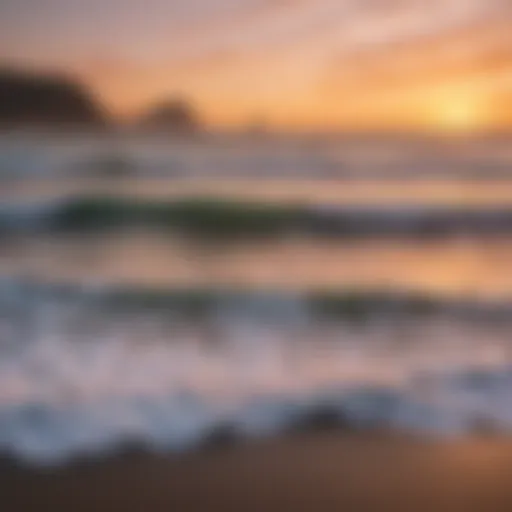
(160, 292)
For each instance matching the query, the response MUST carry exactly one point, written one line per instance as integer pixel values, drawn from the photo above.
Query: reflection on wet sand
(334, 471)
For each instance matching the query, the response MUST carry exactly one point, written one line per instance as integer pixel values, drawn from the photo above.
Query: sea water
(162, 337)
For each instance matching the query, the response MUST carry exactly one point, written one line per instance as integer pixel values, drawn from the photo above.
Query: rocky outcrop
(175, 116)
(30, 99)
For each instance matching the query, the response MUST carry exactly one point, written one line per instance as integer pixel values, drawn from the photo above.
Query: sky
(441, 64)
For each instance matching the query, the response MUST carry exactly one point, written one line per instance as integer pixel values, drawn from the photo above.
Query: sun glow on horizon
(459, 114)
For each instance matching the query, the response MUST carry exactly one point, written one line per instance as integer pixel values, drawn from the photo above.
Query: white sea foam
(78, 378)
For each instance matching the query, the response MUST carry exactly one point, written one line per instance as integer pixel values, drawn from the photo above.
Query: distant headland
(29, 99)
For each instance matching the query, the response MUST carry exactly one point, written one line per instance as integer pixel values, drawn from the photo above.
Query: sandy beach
(326, 471)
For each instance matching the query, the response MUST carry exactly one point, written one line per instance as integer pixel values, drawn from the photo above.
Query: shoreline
(314, 471)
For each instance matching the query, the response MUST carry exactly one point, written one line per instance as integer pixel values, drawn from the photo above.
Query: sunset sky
(443, 64)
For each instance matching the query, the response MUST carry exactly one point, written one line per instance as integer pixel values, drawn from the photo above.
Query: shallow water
(79, 375)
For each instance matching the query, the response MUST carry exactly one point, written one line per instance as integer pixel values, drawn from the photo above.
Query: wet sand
(313, 472)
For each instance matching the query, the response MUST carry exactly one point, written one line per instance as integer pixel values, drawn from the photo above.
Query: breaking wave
(214, 217)
(89, 370)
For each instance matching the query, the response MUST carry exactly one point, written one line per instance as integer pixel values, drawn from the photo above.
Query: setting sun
(459, 114)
